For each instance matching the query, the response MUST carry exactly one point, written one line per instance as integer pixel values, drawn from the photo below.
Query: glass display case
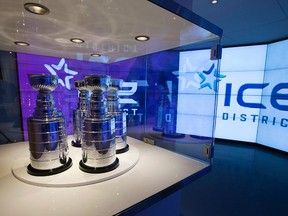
(168, 98)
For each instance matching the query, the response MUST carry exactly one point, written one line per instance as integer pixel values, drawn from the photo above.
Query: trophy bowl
(43, 82)
(80, 85)
(97, 82)
(115, 84)
(46, 130)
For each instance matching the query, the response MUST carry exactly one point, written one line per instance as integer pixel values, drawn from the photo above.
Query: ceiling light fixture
(142, 38)
(77, 40)
(95, 55)
(214, 1)
(36, 8)
(21, 43)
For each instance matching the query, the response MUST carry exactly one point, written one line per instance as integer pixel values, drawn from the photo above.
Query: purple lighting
(65, 95)
(145, 73)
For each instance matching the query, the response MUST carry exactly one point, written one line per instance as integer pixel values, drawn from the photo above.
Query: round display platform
(74, 177)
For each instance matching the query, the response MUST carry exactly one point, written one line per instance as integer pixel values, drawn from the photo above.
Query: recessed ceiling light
(36, 8)
(77, 40)
(95, 55)
(21, 43)
(214, 1)
(142, 38)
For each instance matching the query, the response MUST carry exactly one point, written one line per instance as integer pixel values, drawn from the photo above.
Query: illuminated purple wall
(147, 71)
(65, 94)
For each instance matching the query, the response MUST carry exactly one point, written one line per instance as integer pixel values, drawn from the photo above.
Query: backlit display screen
(132, 96)
(196, 93)
(65, 95)
(252, 95)
(273, 122)
(240, 92)
(252, 88)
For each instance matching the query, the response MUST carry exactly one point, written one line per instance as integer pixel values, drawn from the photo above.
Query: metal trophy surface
(114, 108)
(163, 102)
(46, 130)
(98, 143)
(80, 112)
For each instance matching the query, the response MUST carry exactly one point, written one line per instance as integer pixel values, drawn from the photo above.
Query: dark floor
(245, 180)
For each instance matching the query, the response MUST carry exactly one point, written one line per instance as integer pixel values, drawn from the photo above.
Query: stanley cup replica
(80, 112)
(46, 130)
(114, 108)
(98, 141)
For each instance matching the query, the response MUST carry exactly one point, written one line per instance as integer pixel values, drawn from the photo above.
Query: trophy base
(174, 135)
(37, 172)
(157, 129)
(120, 151)
(201, 137)
(76, 144)
(108, 168)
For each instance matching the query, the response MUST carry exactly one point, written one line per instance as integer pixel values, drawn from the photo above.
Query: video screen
(252, 93)
(273, 122)
(197, 88)
(240, 92)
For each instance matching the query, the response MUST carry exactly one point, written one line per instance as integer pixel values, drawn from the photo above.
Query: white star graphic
(67, 71)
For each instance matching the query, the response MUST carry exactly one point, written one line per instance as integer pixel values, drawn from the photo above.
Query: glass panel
(181, 99)
(169, 89)
(10, 115)
(161, 96)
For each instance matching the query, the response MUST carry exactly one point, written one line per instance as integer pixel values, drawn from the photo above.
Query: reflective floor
(245, 180)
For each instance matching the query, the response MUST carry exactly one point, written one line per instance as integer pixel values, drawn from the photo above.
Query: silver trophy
(46, 130)
(80, 112)
(114, 108)
(163, 102)
(98, 141)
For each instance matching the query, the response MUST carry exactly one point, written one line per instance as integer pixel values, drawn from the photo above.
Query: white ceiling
(107, 26)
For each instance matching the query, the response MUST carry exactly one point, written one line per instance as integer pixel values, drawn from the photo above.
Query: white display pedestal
(74, 177)
(152, 171)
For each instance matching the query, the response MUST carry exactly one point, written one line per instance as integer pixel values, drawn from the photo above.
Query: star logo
(53, 69)
(207, 79)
